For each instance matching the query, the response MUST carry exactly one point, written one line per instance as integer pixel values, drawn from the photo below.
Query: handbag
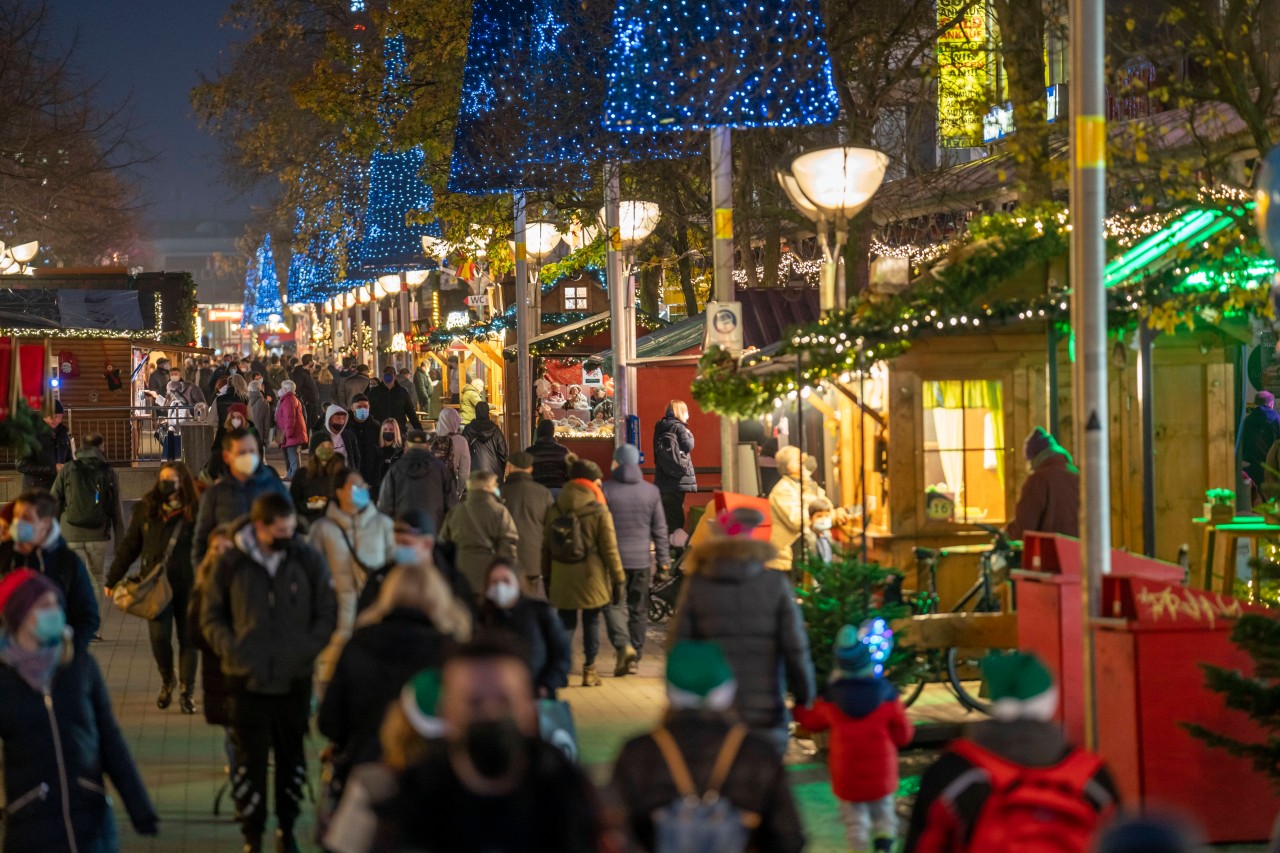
(147, 595)
(555, 724)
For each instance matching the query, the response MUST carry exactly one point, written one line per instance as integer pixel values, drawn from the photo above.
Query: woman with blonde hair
(391, 442)
(673, 463)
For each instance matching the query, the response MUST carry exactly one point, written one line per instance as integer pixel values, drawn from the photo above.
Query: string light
(262, 287)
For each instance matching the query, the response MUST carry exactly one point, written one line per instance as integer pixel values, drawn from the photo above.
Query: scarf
(34, 667)
(593, 486)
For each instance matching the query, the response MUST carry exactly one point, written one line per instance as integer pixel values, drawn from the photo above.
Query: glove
(619, 594)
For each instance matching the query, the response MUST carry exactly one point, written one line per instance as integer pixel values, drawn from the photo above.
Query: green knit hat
(1019, 686)
(419, 700)
(698, 676)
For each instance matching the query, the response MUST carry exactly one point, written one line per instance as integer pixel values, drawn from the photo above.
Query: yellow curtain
(985, 394)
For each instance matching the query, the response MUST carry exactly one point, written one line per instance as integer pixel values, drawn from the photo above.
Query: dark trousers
(262, 725)
(590, 631)
(627, 624)
(161, 632)
(673, 509)
(172, 447)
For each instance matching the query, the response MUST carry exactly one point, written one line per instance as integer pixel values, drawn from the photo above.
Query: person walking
(641, 527)
(416, 543)
(338, 431)
(390, 444)
(486, 443)
(580, 563)
(528, 503)
(235, 491)
(389, 399)
(458, 457)
(276, 372)
(701, 736)
(1050, 498)
(356, 542)
(673, 465)
(160, 534)
(269, 642)
(405, 380)
(418, 480)
(533, 623)
(216, 688)
(260, 412)
(291, 426)
(356, 383)
(730, 598)
(549, 465)
(305, 387)
(237, 418)
(236, 393)
(472, 393)
(44, 457)
(422, 386)
(368, 434)
(90, 510)
(312, 487)
(481, 529)
(60, 736)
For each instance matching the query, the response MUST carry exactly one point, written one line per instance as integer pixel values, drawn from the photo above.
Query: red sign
(1156, 604)
(226, 315)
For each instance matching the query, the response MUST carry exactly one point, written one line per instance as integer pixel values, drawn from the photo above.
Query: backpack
(701, 824)
(1033, 809)
(668, 457)
(567, 542)
(87, 495)
(441, 447)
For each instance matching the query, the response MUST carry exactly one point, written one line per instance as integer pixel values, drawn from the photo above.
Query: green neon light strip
(1191, 227)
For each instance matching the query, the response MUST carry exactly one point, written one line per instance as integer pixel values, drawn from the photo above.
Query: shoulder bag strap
(352, 548)
(724, 761)
(168, 551)
(675, 761)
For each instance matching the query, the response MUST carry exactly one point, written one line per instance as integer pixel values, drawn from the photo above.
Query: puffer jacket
(730, 598)
(488, 446)
(417, 480)
(352, 546)
(588, 584)
(268, 630)
(55, 758)
(638, 519)
(528, 503)
(673, 473)
(483, 530)
(467, 402)
(291, 422)
(548, 457)
(227, 500)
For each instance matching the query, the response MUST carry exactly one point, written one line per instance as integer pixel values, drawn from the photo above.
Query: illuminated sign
(998, 123)
(963, 57)
(458, 320)
(226, 315)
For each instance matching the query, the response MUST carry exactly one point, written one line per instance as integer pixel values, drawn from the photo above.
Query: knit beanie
(1020, 687)
(522, 459)
(627, 454)
(698, 676)
(419, 700)
(853, 657)
(19, 591)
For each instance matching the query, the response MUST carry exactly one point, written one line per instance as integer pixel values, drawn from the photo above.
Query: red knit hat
(238, 409)
(19, 591)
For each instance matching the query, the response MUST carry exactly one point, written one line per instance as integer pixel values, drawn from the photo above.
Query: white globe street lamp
(541, 238)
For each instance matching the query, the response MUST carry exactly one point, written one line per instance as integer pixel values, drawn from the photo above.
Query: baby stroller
(664, 590)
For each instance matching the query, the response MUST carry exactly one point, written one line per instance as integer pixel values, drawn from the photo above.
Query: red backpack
(1033, 809)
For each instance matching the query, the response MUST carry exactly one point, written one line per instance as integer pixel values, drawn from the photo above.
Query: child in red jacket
(868, 725)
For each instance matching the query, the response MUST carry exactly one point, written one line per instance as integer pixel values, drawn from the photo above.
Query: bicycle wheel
(965, 678)
(922, 668)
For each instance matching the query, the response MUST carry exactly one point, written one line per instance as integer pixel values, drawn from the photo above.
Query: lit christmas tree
(327, 226)
(699, 65)
(266, 302)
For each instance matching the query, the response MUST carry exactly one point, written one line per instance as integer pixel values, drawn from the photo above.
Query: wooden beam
(971, 630)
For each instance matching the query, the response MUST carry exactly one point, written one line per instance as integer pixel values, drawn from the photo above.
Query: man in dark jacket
(1050, 497)
(268, 612)
(366, 432)
(356, 383)
(488, 444)
(639, 521)
(231, 497)
(1260, 430)
(389, 399)
(158, 379)
(306, 389)
(528, 503)
(731, 598)
(422, 387)
(51, 449)
(548, 457)
(700, 725)
(417, 480)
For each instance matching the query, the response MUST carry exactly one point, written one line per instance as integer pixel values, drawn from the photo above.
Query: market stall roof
(674, 339)
(767, 312)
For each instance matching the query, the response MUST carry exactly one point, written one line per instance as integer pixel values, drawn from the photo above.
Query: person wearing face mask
(220, 371)
(237, 417)
(268, 611)
(495, 785)
(417, 479)
(160, 532)
(534, 623)
(481, 528)
(60, 736)
(231, 496)
(337, 430)
(291, 427)
(452, 449)
(391, 443)
(817, 537)
(357, 542)
(312, 485)
(416, 544)
(367, 433)
(260, 409)
(472, 393)
(389, 399)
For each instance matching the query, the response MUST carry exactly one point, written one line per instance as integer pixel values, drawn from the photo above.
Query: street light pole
(722, 260)
(524, 325)
(1089, 317)
(614, 272)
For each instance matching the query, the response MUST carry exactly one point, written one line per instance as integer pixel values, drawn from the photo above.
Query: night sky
(151, 51)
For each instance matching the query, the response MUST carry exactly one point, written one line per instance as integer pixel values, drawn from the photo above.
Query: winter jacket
(638, 519)
(373, 667)
(422, 386)
(548, 457)
(1260, 430)
(369, 456)
(277, 374)
(528, 503)
(58, 563)
(953, 791)
(111, 504)
(291, 422)
(350, 449)
(673, 465)
(756, 783)
(260, 414)
(307, 390)
(56, 753)
(541, 635)
(216, 689)
(147, 540)
(312, 491)
(483, 531)
(393, 402)
(40, 460)
(227, 500)
(450, 424)
(417, 480)
(1050, 499)
(406, 382)
(730, 598)
(216, 466)
(588, 584)
(467, 402)
(788, 516)
(158, 380)
(268, 630)
(352, 546)
(487, 446)
(222, 405)
(348, 388)
(868, 726)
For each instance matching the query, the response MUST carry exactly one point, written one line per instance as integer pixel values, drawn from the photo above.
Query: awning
(672, 340)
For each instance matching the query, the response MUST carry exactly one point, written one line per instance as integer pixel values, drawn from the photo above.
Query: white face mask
(503, 594)
(237, 422)
(822, 524)
(245, 464)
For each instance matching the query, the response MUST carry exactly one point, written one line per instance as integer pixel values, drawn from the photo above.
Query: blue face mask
(50, 624)
(404, 555)
(360, 496)
(23, 532)
(362, 414)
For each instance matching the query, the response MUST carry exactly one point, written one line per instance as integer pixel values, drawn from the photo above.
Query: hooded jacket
(393, 402)
(672, 462)
(868, 726)
(638, 519)
(344, 441)
(58, 563)
(418, 480)
(483, 530)
(1050, 498)
(92, 458)
(528, 503)
(731, 599)
(291, 421)
(227, 500)
(588, 584)
(268, 629)
(486, 443)
(450, 424)
(352, 546)
(467, 402)
(548, 457)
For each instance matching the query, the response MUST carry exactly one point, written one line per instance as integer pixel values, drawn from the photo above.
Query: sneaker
(627, 656)
(590, 678)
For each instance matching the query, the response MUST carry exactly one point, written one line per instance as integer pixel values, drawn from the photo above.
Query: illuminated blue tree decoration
(326, 224)
(250, 292)
(877, 636)
(267, 301)
(693, 66)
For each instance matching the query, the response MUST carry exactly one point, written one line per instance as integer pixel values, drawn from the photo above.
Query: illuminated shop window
(964, 447)
(575, 299)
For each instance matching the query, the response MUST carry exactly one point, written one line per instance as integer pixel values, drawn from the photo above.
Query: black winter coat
(730, 598)
(368, 459)
(418, 480)
(148, 537)
(638, 519)
(535, 624)
(548, 463)
(61, 565)
(46, 790)
(216, 466)
(311, 492)
(38, 463)
(227, 500)
(756, 784)
(307, 390)
(488, 446)
(216, 688)
(673, 465)
(394, 402)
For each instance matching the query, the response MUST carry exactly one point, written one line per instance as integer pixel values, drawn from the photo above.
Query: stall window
(964, 448)
(575, 299)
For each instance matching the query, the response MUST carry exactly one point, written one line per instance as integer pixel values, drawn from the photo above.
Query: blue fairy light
(877, 636)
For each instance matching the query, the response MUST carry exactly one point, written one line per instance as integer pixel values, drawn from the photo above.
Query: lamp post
(16, 260)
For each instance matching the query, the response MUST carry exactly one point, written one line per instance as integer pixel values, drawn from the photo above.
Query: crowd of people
(419, 600)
